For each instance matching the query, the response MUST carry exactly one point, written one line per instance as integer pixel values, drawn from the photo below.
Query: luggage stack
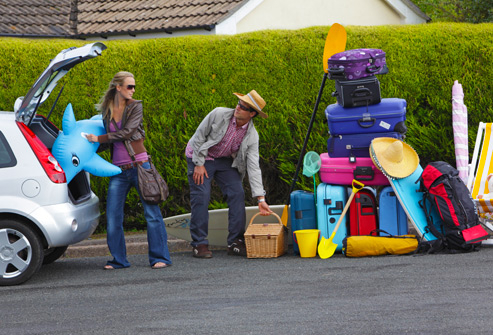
(359, 116)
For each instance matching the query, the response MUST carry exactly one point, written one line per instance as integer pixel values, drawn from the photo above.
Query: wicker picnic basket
(266, 240)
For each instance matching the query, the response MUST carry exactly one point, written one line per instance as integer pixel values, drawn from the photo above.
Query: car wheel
(21, 252)
(52, 254)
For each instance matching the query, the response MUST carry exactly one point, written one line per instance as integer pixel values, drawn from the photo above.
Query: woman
(122, 117)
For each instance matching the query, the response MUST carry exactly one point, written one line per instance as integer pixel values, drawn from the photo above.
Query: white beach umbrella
(459, 125)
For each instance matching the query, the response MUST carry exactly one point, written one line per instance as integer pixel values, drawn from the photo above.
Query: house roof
(80, 18)
(37, 17)
(90, 18)
(127, 16)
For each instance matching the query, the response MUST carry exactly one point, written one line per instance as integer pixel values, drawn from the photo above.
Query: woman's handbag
(152, 186)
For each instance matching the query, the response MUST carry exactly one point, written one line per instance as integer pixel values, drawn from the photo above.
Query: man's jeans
(230, 183)
(157, 238)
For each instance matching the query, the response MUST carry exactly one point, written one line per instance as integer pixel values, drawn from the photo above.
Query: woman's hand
(92, 138)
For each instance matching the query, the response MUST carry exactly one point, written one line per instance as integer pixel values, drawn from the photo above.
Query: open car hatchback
(40, 213)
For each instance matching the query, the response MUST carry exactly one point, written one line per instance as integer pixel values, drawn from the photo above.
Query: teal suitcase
(331, 200)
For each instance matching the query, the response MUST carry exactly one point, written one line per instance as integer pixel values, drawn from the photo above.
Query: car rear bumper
(66, 224)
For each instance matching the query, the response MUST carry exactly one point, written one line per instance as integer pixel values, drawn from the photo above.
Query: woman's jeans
(230, 183)
(157, 238)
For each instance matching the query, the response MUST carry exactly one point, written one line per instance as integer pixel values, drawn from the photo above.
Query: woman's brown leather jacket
(131, 130)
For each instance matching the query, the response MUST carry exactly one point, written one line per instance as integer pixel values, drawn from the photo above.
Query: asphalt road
(431, 294)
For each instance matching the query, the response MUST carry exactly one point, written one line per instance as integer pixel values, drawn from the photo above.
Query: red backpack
(445, 190)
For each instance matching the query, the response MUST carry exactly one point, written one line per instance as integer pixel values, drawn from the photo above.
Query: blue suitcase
(392, 217)
(387, 116)
(331, 200)
(355, 145)
(303, 213)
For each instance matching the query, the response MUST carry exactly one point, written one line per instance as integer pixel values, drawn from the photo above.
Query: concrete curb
(136, 245)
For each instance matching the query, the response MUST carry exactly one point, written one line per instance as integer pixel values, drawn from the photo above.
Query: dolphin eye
(75, 160)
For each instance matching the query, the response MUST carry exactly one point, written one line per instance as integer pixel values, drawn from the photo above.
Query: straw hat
(254, 100)
(393, 157)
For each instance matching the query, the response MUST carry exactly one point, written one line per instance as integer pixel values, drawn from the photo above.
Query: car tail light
(49, 163)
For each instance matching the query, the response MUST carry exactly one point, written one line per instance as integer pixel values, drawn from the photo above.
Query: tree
(471, 11)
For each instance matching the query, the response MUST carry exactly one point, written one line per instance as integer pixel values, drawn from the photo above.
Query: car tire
(21, 252)
(52, 254)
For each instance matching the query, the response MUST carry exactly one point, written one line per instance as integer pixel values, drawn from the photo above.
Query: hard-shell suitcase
(303, 213)
(342, 171)
(331, 200)
(392, 218)
(357, 145)
(387, 116)
(354, 93)
(357, 63)
(363, 213)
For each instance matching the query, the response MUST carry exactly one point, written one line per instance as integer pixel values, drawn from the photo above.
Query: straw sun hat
(254, 100)
(393, 157)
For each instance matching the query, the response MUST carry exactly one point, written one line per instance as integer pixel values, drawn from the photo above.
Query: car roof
(25, 107)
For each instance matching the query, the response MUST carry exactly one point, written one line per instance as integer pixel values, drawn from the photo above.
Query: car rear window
(7, 158)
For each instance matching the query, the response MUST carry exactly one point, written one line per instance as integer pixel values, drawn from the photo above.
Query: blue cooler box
(303, 213)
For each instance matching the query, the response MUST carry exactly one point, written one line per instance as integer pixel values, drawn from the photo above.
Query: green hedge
(181, 79)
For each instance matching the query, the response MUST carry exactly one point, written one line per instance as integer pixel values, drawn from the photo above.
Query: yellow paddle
(335, 42)
(326, 248)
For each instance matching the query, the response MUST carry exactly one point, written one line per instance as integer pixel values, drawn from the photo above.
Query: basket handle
(256, 214)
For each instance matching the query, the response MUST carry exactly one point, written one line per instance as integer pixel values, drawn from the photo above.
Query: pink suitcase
(340, 171)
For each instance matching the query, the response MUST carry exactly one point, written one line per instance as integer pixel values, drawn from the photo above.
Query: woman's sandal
(108, 267)
(159, 265)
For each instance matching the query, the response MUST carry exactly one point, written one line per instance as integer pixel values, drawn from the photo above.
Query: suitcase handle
(361, 92)
(337, 208)
(363, 173)
(336, 70)
(371, 119)
(337, 73)
(373, 69)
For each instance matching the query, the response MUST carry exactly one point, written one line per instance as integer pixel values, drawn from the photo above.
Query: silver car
(40, 213)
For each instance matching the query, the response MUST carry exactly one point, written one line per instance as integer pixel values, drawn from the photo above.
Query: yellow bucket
(307, 240)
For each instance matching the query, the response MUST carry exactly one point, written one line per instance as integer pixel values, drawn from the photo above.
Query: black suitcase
(361, 92)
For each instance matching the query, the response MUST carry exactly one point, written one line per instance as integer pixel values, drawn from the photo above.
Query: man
(224, 147)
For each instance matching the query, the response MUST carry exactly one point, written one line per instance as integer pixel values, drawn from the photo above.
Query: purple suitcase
(387, 116)
(355, 145)
(357, 63)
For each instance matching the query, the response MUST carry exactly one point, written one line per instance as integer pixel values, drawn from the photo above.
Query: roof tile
(95, 17)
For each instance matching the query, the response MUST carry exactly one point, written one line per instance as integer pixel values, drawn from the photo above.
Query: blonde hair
(106, 103)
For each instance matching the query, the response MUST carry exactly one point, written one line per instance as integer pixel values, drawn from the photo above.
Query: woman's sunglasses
(130, 87)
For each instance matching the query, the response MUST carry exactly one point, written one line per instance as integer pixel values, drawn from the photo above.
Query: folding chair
(479, 169)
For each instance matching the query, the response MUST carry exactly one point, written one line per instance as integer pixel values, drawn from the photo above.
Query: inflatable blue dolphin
(74, 152)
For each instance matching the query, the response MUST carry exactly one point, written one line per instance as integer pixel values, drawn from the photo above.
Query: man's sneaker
(237, 248)
(202, 251)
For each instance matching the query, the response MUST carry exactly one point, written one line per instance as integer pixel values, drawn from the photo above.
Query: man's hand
(198, 174)
(264, 208)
